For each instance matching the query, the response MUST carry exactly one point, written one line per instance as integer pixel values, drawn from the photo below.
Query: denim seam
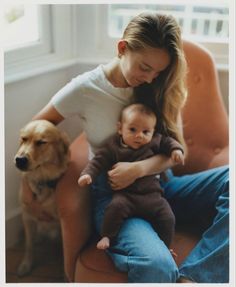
(128, 263)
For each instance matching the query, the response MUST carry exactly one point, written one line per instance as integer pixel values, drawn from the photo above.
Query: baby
(136, 140)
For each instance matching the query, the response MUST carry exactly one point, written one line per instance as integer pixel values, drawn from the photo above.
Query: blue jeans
(201, 197)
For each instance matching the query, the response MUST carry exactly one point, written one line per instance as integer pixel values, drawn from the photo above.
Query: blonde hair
(167, 93)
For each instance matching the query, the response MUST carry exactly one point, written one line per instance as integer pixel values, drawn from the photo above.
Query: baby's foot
(104, 243)
(184, 280)
(174, 255)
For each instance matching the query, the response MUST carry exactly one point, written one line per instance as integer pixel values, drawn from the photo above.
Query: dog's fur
(42, 158)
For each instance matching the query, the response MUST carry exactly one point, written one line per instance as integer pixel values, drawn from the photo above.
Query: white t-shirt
(96, 102)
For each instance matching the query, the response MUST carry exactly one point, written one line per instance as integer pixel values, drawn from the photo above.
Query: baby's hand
(84, 180)
(177, 156)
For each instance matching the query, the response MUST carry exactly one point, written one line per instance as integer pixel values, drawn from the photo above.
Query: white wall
(23, 99)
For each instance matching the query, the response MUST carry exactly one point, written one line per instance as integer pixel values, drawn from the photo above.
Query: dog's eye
(40, 142)
(23, 139)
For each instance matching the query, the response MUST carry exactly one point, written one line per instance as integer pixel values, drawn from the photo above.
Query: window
(206, 22)
(27, 32)
(20, 25)
(87, 33)
(203, 21)
(47, 44)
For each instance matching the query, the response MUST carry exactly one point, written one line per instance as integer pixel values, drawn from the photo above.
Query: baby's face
(137, 129)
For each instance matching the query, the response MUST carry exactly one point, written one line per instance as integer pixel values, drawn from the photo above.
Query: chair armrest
(73, 205)
(221, 157)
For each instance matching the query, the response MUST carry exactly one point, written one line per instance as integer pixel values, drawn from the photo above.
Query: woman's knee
(139, 251)
(148, 258)
(162, 267)
(153, 267)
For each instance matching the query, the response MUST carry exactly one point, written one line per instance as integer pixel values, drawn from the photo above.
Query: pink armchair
(206, 132)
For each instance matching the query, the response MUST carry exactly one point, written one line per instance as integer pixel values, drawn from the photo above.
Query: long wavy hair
(167, 93)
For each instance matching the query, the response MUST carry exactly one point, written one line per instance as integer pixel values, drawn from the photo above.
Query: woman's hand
(123, 174)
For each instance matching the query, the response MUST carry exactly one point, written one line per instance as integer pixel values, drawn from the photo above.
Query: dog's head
(41, 143)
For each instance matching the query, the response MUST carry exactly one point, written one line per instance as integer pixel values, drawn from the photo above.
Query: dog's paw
(24, 268)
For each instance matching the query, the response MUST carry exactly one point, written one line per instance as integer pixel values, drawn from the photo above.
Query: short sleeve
(67, 100)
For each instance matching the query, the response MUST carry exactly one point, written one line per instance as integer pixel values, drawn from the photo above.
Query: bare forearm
(157, 163)
(123, 174)
(154, 165)
(49, 113)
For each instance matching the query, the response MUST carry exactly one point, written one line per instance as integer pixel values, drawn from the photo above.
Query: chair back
(205, 120)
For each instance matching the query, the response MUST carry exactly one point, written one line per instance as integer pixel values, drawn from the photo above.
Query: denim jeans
(201, 197)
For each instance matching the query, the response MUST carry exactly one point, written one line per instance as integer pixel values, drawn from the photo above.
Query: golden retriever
(42, 158)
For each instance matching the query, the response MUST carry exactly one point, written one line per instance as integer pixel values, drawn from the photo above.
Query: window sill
(52, 63)
(43, 65)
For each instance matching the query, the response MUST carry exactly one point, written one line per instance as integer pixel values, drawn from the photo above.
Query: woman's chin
(138, 83)
(134, 84)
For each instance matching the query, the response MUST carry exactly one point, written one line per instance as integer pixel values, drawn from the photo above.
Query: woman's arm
(155, 165)
(49, 113)
(123, 174)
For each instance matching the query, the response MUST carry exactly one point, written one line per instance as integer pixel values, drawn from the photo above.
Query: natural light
(20, 25)
(198, 20)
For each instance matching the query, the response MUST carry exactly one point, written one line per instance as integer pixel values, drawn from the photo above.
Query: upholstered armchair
(205, 125)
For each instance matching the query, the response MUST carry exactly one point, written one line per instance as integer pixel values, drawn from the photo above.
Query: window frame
(66, 43)
(54, 47)
(34, 49)
(218, 49)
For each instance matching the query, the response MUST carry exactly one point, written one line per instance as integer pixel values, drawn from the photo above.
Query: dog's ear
(63, 147)
(66, 141)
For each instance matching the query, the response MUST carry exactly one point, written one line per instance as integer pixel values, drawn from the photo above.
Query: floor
(48, 263)
(48, 266)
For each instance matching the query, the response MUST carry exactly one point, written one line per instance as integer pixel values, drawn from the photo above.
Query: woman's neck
(114, 74)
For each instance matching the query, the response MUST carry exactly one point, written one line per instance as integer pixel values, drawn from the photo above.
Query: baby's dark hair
(140, 108)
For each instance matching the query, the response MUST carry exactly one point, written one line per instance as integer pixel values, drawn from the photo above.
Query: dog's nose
(21, 162)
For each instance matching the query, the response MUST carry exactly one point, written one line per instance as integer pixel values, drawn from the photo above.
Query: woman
(149, 68)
